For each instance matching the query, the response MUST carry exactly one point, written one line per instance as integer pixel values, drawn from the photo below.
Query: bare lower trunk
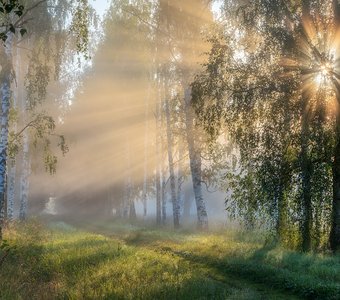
(180, 176)
(12, 162)
(24, 183)
(163, 194)
(158, 197)
(146, 143)
(187, 207)
(335, 227)
(145, 201)
(5, 95)
(174, 200)
(306, 173)
(282, 207)
(126, 199)
(11, 188)
(195, 162)
(132, 213)
(158, 163)
(163, 172)
(334, 238)
(281, 213)
(129, 210)
(307, 214)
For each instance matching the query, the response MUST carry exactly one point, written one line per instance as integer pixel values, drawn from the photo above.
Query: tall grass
(136, 263)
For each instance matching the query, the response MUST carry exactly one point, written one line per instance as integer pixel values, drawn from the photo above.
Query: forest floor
(121, 261)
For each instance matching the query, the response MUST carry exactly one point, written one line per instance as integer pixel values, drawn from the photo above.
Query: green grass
(120, 261)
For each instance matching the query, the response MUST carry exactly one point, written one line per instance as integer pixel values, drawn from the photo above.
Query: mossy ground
(119, 261)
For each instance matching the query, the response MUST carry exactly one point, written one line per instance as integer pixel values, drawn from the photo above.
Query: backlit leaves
(10, 14)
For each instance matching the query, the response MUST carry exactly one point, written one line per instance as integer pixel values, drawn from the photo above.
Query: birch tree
(174, 199)
(12, 16)
(20, 29)
(285, 140)
(185, 32)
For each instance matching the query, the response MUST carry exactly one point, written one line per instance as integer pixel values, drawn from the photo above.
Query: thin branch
(30, 124)
(28, 10)
(207, 187)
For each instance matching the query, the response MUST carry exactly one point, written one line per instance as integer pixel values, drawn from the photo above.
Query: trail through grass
(115, 261)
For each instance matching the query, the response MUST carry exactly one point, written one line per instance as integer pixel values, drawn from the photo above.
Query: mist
(169, 149)
(115, 124)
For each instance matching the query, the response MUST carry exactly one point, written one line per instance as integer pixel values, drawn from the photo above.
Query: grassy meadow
(121, 261)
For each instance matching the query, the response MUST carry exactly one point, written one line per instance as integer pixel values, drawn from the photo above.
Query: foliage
(80, 27)
(9, 9)
(48, 39)
(5, 250)
(258, 86)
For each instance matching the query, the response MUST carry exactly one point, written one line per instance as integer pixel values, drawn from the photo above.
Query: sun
(324, 73)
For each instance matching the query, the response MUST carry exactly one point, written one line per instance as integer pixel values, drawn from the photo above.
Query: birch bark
(5, 96)
(24, 181)
(195, 162)
(11, 164)
(175, 204)
(158, 160)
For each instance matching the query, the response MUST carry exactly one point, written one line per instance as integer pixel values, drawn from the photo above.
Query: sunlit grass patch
(61, 262)
(71, 264)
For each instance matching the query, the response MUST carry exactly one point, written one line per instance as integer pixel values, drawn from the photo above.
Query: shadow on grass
(33, 266)
(194, 288)
(20, 271)
(79, 243)
(254, 269)
(305, 276)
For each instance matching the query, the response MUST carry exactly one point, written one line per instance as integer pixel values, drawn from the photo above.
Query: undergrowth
(124, 262)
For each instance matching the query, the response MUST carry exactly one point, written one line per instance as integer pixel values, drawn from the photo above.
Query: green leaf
(19, 13)
(8, 8)
(23, 31)
(3, 36)
(11, 28)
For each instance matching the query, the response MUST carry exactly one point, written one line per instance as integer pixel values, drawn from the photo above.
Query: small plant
(5, 249)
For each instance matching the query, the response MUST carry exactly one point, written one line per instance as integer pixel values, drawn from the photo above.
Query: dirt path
(244, 288)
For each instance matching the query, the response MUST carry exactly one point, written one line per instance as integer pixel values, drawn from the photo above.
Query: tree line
(245, 101)
(279, 101)
(265, 112)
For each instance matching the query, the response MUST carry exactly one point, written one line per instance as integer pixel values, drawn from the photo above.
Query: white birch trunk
(129, 210)
(146, 138)
(11, 188)
(126, 199)
(175, 204)
(24, 180)
(158, 195)
(162, 164)
(158, 161)
(132, 211)
(195, 162)
(26, 161)
(12, 162)
(180, 195)
(5, 96)
(163, 192)
(145, 198)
